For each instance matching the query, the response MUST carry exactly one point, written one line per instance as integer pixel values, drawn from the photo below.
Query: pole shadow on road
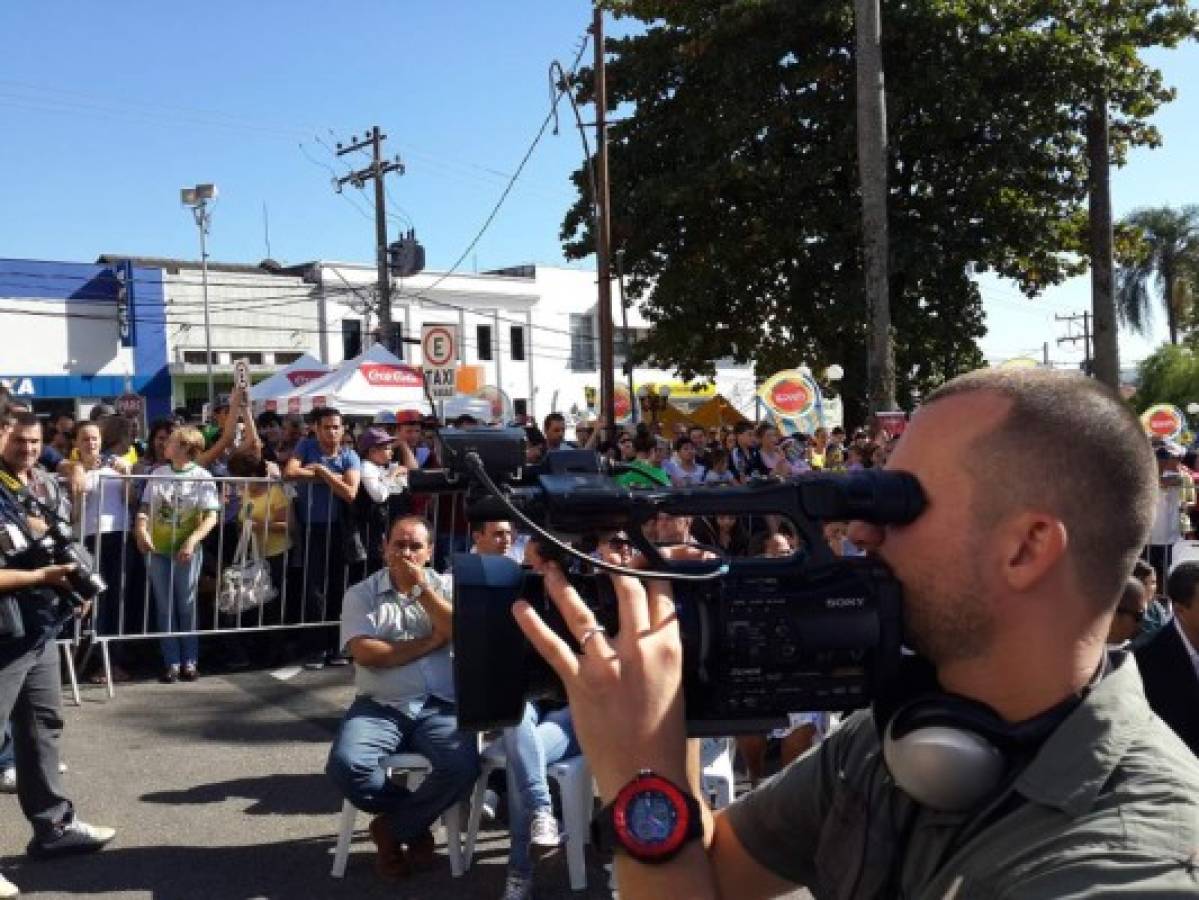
(272, 795)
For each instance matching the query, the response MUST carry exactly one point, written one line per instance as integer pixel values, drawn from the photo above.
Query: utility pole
(1103, 298)
(1085, 337)
(603, 237)
(872, 169)
(624, 327)
(375, 171)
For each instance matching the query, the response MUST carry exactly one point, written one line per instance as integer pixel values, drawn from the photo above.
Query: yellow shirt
(262, 507)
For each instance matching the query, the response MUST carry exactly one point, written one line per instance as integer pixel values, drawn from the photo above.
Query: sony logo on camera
(844, 602)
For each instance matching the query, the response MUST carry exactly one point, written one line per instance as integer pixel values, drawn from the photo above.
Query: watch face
(651, 817)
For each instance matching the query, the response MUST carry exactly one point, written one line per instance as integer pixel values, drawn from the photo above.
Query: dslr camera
(761, 637)
(22, 548)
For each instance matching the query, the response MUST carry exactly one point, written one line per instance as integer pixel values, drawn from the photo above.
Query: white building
(532, 328)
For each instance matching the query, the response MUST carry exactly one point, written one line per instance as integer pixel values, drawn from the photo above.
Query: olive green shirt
(1108, 807)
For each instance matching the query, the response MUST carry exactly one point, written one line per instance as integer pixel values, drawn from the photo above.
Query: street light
(197, 199)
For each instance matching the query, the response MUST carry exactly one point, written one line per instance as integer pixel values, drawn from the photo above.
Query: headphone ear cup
(942, 752)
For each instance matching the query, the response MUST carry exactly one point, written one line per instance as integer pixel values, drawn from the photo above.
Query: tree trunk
(872, 169)
(1169, 286)
(1106, 365)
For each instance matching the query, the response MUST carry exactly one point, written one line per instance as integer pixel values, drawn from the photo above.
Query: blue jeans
(538, 741)
(175, 584)
(371, 731)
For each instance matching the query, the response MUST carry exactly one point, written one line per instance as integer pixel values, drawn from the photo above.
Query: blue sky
(110, 108)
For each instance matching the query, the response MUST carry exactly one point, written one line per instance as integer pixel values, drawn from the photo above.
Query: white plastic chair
(718, 779)
(412, 768)
(573, 776)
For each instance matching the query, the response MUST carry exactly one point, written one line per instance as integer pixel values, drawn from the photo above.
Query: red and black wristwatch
(651, 819)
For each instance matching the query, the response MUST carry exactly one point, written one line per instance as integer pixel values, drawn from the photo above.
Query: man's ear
(1031, 545)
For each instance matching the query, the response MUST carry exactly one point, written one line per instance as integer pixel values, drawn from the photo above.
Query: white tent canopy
(305, 369)
(366, 385)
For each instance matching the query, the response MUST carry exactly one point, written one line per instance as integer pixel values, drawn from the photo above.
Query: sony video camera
(761, 638)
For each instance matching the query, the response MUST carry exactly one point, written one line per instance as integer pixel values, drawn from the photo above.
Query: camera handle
(475, 465)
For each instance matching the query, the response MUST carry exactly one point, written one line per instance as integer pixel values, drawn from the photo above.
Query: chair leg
(345, 835)
(576, 812)
(475, 816)
(451, 819)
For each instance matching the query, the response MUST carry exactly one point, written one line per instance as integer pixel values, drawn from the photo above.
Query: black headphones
(948, 752)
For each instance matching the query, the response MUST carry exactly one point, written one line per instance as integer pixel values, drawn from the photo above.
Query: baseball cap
(100, 410)
(386, 417)
(407, 417)
(374, 437)
(222, 402)
(1169, 450)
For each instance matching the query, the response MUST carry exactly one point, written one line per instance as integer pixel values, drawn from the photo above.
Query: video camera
(761, 637)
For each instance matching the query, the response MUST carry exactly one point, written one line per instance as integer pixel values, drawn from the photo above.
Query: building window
(516, 334)
(520, 407)
(351, 338)
(483, 340)
(582, 343)
(198, 358)
(253, 358)
(286, 358)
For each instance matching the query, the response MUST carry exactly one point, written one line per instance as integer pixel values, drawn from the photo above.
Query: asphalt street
(217, 790)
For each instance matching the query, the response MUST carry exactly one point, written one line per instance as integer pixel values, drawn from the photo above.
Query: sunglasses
(400, 547)
(619, 544)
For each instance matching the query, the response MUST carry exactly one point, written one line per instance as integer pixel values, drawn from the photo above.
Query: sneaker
(518, 887)
(170, 676)
(315, 663)
(189, 673)
(8, 889)
(74, 837)
(8, 781)
(543, 832)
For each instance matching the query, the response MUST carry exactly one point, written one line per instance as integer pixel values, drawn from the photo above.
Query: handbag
(246, 583)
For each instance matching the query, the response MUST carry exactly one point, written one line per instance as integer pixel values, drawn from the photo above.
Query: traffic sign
(130, 405)
(439, 353)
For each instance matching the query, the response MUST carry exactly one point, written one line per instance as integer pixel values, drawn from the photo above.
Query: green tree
(1164, 254)
(734, 187)
(1169, 375)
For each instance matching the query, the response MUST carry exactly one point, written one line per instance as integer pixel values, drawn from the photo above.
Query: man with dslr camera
(33, 608)
(1026, 764)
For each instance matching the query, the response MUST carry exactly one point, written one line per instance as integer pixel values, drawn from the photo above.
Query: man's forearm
(376, 653)
(441, 612)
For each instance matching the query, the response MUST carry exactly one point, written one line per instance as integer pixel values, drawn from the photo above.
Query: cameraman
(30, 685)
(1010, 576)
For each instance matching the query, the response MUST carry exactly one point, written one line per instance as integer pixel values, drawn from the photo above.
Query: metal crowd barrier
(129, 610)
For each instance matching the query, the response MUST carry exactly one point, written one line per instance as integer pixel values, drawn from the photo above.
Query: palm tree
(1168, 255)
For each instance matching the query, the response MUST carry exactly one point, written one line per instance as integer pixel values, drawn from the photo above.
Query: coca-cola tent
(366, 385)
(305, 369)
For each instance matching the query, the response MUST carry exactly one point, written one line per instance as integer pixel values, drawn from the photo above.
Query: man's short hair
(1030, 460)
(24, 419)
(1141, 569)
(1181, 584)
(1133, 593)
(681, 442)
(268, 418)
(481, 527)
(411, 517)
(321, 413)
(743, 426)
(553, 417)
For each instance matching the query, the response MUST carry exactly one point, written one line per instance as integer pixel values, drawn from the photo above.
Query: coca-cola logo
(303, 376)
(790, 397)
(1163, 423)
(387, 375)
(622, 405)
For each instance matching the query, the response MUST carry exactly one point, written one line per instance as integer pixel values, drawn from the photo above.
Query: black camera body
(763, 638)
(23, 549)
